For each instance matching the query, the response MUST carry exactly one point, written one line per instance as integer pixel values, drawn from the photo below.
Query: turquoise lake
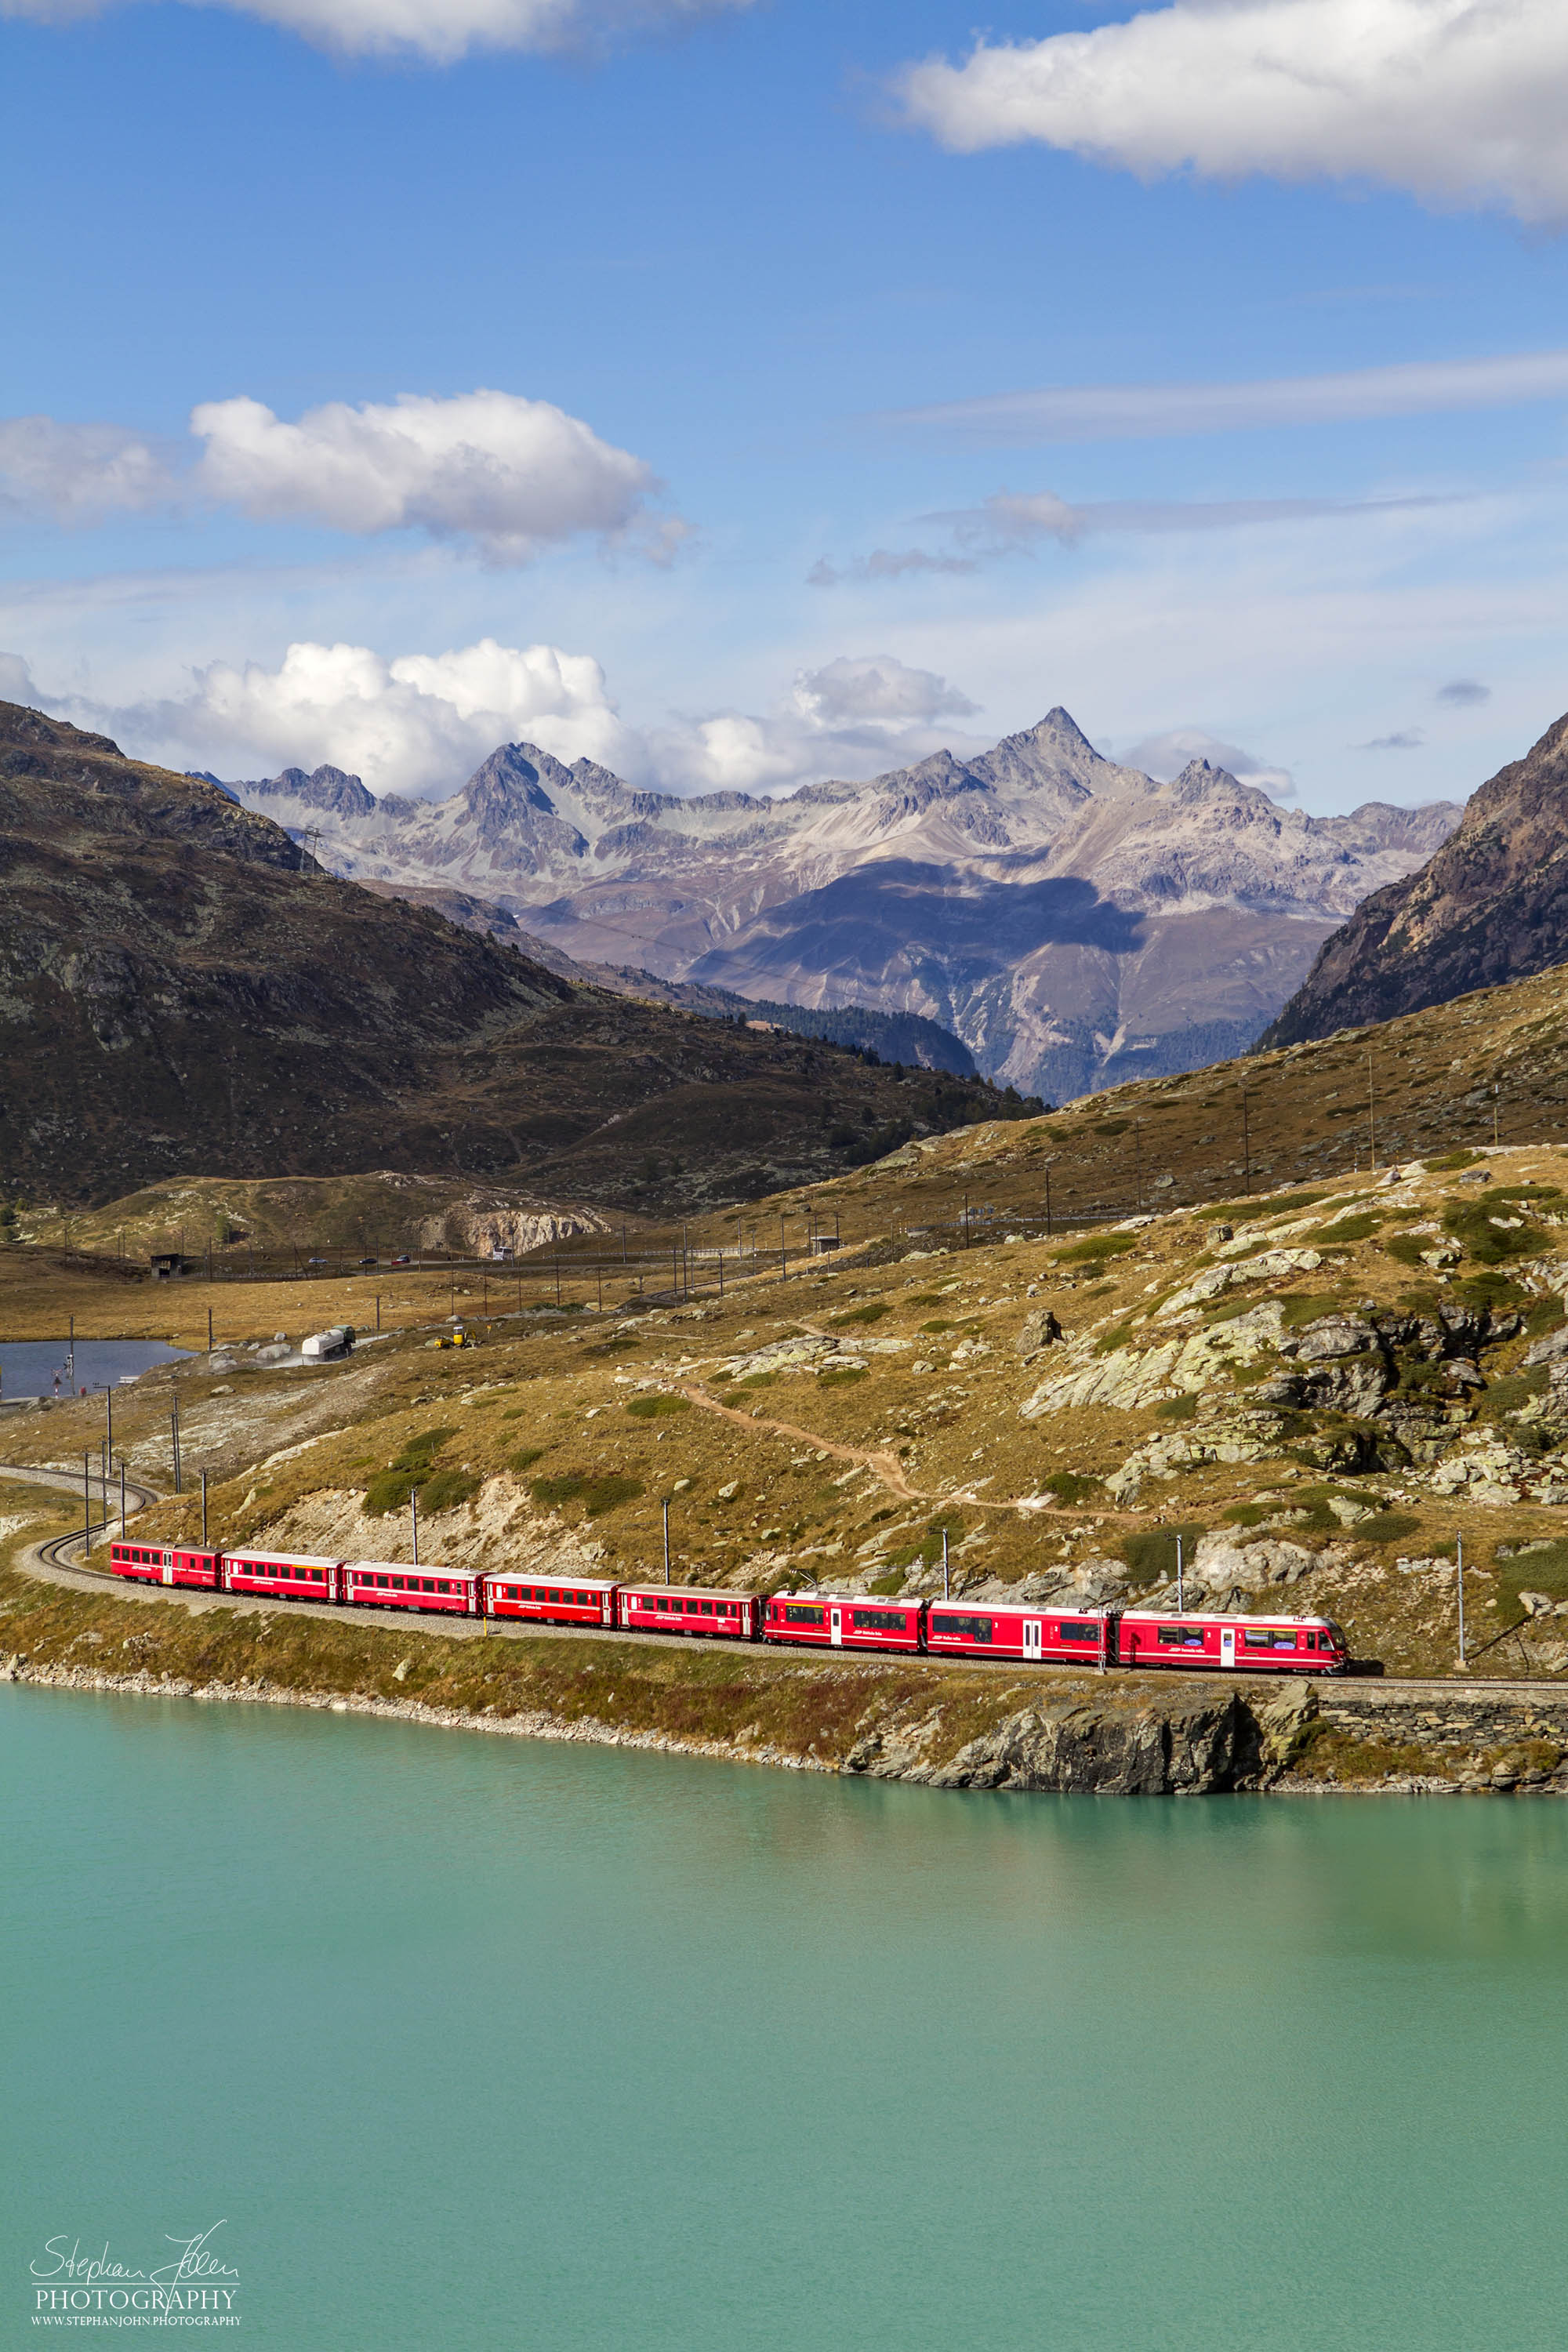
(471, 2042)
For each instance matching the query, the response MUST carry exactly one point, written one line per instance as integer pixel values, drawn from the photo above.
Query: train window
(797, 1614)
(1075, 1630)
(892, 1621)
(967, 1629)
(706, 1607)
(1311, 1641)
(1181, 1637)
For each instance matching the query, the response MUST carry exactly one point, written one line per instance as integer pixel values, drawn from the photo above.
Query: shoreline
(541, 1724)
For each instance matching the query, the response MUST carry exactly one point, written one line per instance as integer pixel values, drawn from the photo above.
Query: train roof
(690, 1592)
(412, 1568)
(244, 1554)
(1216, 1617)
(547, 1576)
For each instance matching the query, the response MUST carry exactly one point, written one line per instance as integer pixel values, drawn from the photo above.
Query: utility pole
(1246, 1144)
(946, 1579)
(122, 1498)
(1180, 1588)
(1461, 1552)
(175, 1442)
(784, 1262)
(666, 1542)
(209, 1330)
(414, 1508)
(1371, 1118)
(86, 1506)
(1494, 1119)
(1048, 1201)
(1138, 1162)
(378, 1310)
(204, 1510)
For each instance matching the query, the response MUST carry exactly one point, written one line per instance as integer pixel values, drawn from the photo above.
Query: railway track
(53, 1562)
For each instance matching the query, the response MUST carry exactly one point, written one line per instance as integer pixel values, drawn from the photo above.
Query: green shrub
(1150, 1555)
(840, 1377)
(714, 1379)
(597, 1491)
(757, 1381)
(1111, 1126)
(872, 1312)
(1096, 1248)
(1407, 1247)
(1452, 1161)
(526, 1458)
(388, 1491)
(1179, 1408)
(1117, 1337)
(649, 1408)
(1474, 1228)
(937, 1324)
(417, 1450)
(1349, 1229)
(1069, 1486)
(1243, 1212)
(892, 1583)
(447, 1490)
(1384, 1527)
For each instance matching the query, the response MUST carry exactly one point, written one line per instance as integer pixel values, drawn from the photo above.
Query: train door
(1227, 1645)
(168, 1574)
(1032, 1629)
(836, 1628)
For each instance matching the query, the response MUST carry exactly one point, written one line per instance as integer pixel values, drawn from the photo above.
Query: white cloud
(421, 723)
(79, 473)
(508, 472)
(439, 32)
(417, 724)
(1457, 101)
(1165, 756)
(878, 690)
(1128, 411)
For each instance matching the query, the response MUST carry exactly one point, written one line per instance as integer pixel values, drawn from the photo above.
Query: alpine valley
(1076, 923)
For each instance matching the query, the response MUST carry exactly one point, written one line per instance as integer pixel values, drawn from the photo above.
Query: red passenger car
(1270, 1645)
(550, 1601)
(283, 1576)
(158, 1564)
(989, 1631)
(680, 1609)
(394, 1584)
(830, 1621)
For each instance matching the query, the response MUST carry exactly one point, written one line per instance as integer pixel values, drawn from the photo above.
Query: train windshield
(1337, 1638)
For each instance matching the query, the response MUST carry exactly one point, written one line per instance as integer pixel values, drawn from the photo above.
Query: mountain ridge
(1072, 921)
(1489, 906)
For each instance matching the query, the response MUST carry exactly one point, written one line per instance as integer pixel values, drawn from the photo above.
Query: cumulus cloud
(508, 472)
(1130, 412)
(79, 473)
(1464, 693)
(420, 723)
(417, 724)
(437, 32)
(1457, 101)
(1165, 757)
(877, 688)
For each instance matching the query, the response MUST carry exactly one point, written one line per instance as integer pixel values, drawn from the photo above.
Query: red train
(1007, 1630)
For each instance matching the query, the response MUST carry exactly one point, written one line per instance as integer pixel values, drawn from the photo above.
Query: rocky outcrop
(1189, 1746)
(1490, 906)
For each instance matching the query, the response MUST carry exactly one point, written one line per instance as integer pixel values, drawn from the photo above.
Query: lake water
(27, 1367)
(471, 2042)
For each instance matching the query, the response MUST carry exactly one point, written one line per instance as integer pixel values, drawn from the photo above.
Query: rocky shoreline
(1211, 1742)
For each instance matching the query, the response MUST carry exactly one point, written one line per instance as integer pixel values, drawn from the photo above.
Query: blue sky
(772, 523)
